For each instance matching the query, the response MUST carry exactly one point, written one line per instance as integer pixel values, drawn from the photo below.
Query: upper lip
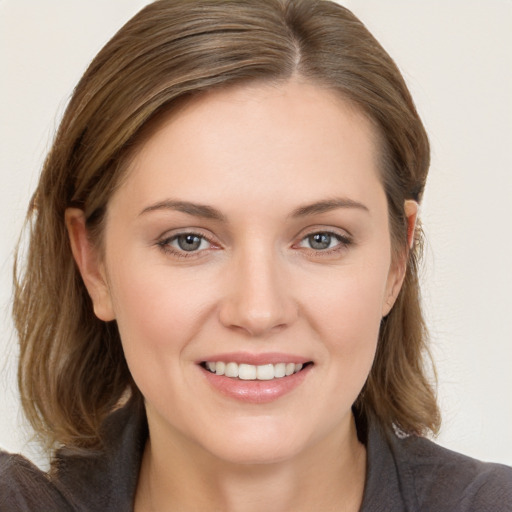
(256, 359)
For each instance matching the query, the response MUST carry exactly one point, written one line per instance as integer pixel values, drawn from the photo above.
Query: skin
(256, 154)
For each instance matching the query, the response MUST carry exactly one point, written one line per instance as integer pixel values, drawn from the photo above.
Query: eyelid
(343, 236)
(174, 242)
(332, 236)
(331, 230)
(163, 242)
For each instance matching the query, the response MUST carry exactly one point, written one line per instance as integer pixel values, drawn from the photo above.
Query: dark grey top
(404, 474)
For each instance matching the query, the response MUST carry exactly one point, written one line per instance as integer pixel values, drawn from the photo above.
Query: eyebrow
(208, 212)
(195, 209)
(327, 206)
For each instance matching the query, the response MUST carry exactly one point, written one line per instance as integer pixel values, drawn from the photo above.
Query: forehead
(266, 142)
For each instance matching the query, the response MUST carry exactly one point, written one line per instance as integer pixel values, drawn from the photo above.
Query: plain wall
(456, 56)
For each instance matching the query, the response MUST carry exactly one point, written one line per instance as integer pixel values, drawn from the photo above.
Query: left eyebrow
(194, 209)
(326, 206)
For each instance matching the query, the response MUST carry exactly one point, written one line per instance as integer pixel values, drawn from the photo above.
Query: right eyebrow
(328, 205)
(194, 209)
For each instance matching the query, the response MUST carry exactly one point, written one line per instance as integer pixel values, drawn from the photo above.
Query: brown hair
(72, 372)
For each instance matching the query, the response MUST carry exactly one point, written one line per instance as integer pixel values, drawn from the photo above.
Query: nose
(257, 297)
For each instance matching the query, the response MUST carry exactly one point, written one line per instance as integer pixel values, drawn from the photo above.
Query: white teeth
(246, 371)
(231, 370)
(252, 372)
(220, 368)
(265, 372)
(279, 370)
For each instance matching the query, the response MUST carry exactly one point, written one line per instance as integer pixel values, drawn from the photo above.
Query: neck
(328, 475)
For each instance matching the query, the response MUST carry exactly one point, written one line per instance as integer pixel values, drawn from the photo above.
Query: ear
(411, 209)
(90, 264)
(398, 268)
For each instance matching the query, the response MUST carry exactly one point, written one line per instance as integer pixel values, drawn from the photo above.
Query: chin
(262, 442)
(255, 453)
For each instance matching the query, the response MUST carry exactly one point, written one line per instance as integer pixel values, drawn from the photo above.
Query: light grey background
(456, 56)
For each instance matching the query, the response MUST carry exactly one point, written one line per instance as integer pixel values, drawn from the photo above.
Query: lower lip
(256, 391)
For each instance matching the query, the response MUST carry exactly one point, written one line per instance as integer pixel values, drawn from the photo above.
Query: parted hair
(72, 371)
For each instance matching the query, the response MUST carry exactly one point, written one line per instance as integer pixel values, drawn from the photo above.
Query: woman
(226, 226)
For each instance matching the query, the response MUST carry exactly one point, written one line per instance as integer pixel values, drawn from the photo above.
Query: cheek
(157, 311)
(347, 315)
(350, 302)
(158, 317)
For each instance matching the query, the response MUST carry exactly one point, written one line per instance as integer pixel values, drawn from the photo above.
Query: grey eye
(189, 242)
(320, 241)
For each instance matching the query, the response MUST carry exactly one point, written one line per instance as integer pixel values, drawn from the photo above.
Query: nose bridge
(257, 300)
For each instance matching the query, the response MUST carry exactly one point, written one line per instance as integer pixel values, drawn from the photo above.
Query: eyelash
(343, 243)
(165, 245)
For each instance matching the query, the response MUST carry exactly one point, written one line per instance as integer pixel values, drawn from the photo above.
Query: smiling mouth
(254, 372)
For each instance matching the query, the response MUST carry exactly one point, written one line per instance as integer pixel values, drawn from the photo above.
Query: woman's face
(252, 229)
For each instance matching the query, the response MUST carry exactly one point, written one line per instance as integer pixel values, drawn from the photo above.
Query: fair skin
(252, 227)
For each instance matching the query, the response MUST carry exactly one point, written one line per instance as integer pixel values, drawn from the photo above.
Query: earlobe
(393, 291)
(90, 264)
(395, 280)
(397, 274)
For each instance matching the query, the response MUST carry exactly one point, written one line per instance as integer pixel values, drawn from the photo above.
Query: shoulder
(105, 479)
(24, 487)
(80, 479)
(445, 480)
